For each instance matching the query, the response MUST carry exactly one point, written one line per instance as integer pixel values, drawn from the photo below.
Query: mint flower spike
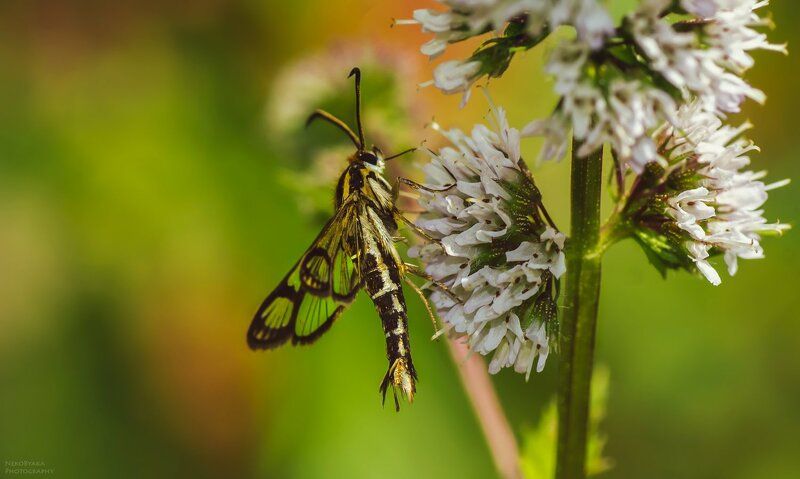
(620, 113)
(616, 85)
(517, 24)
(620, 94)
(468, 18)
(455, 76)
(704, 202)
(497, 250)
(704, 59)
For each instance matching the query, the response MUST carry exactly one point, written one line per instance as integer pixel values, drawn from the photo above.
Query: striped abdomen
(381, 278)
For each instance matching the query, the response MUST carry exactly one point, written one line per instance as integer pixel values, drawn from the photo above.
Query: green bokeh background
(141, 223)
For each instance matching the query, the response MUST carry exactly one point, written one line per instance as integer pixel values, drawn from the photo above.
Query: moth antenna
(357, 72)
(324, 115)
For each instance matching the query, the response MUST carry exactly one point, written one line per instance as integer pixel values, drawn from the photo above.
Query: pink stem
(479, 388)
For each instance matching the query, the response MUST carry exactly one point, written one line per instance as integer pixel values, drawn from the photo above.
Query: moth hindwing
(311, 296)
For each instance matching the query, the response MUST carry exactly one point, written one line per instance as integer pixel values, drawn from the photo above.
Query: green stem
(617, 228)
(578, 325)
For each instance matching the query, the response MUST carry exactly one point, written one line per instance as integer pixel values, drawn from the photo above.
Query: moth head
(372, 159)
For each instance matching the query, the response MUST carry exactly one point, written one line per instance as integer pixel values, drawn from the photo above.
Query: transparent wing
(313, 294)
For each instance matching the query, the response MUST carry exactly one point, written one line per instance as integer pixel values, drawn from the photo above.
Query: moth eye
(370, 158)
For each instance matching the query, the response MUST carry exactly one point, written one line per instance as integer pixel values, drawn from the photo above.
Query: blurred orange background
(144, 219)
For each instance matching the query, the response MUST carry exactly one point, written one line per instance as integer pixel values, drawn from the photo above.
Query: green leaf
(539, 446)
(496, 53)
(662, 253)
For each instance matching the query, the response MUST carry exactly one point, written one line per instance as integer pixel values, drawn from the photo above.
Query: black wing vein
(313, 294)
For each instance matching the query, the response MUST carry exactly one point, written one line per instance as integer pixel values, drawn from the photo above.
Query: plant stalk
(491, 416)
(577, 338)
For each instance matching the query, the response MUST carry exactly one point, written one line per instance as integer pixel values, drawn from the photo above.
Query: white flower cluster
(701, 58)
(498, 261)
(711, 73)
(468, 18)
(608, 97)
(723, 211)
(621, 113)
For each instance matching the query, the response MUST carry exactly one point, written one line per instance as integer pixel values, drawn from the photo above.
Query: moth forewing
(311, 296)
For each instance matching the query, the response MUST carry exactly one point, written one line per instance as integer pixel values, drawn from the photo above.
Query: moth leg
(424, 301)
(395, 190)
(419, 186)
(385, 385)
(416, 186)
(413, 269)
(416, 228)
(445, 329)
